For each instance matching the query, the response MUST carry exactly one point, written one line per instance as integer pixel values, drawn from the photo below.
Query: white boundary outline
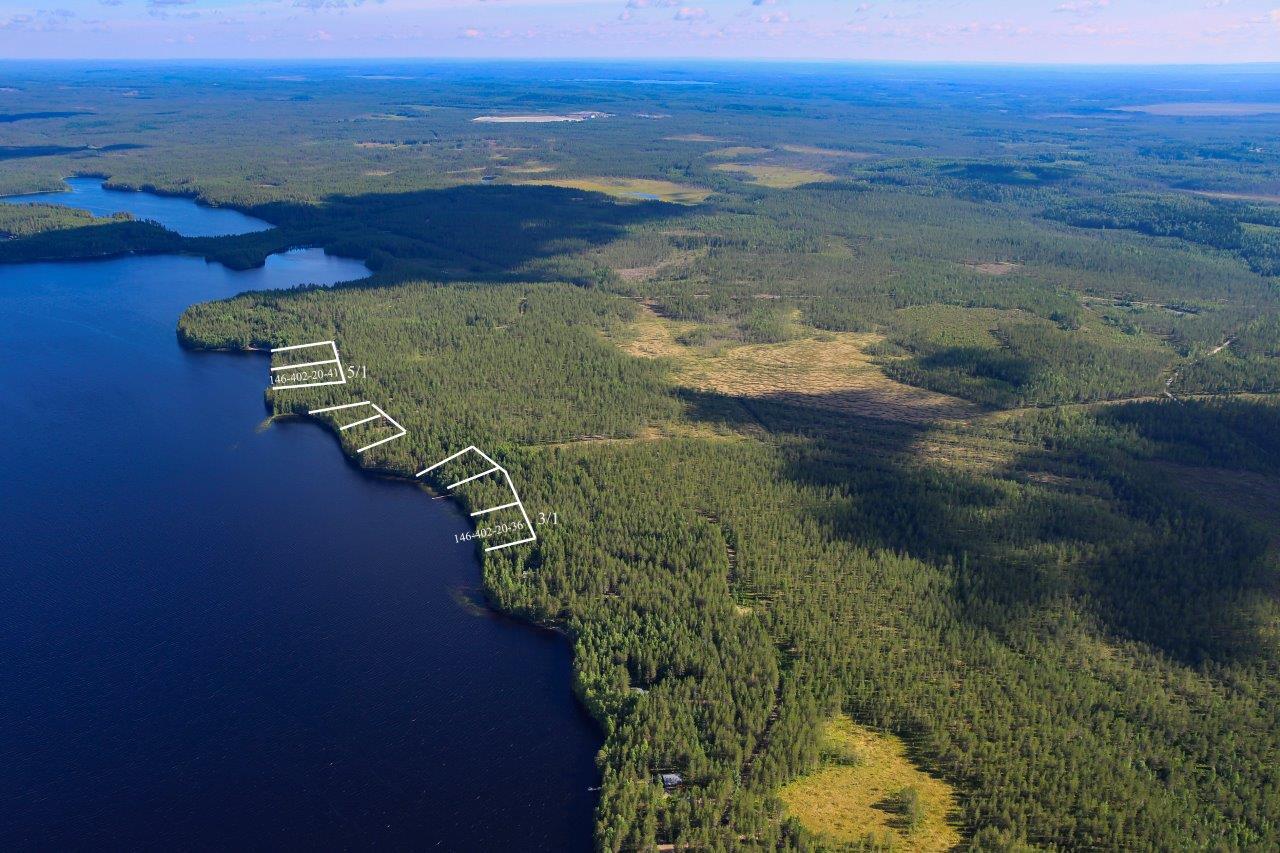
(532, 537)
(335, 360)
(376, 408)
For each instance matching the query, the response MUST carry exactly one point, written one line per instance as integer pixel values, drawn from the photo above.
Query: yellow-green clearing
(531, 168)
(737, 151)
(835, 373)
(858, 791)
(827, 152)
(777, 177)
(630, 188)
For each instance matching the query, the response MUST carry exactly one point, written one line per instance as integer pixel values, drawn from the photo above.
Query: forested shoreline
(669, 541)
(943, 497)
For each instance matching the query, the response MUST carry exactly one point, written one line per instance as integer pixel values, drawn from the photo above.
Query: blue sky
(1091, 31)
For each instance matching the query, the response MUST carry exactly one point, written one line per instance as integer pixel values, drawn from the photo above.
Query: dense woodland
(1066, 604)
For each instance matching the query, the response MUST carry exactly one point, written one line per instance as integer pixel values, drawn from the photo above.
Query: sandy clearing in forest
(833, 374)
(637, 273)
(646, 272)
(633, 189)
(1232, 196)
(777, 177)
(736, 151)
(692, 137)
(656, 432)
(533, 168)
(828, 152)
(992, 267)
(651, 336)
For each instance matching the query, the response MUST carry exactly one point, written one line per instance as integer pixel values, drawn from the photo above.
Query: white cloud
(691, 13)
(1082, 7)
(317, 5)
(43, 21)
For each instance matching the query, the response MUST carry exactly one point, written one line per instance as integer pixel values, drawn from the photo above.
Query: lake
(177, 214)
(219, 634)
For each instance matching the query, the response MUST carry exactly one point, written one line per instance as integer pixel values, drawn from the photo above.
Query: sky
(1056, 31)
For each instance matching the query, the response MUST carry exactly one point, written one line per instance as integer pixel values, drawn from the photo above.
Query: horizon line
(614, 60)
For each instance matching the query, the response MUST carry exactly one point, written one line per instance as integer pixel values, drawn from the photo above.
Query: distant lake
(177, 214)
(217, 634)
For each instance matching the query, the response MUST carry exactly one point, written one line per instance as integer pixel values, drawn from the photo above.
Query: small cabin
(671, 781)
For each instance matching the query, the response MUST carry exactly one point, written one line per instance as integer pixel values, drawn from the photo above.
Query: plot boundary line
(401, 430)
(337, 359)
(494, 509)
(494, 468)
(533, 536)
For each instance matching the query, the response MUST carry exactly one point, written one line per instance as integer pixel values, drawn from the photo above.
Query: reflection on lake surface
(177, 214)
(220, 635)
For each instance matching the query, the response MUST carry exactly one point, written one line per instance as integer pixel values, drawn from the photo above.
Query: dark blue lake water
(177, 214)
(215, 634)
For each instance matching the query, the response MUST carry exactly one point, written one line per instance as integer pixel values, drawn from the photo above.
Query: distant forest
(1034, 535)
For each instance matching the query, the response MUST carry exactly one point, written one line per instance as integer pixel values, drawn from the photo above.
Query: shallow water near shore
(222, 635)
